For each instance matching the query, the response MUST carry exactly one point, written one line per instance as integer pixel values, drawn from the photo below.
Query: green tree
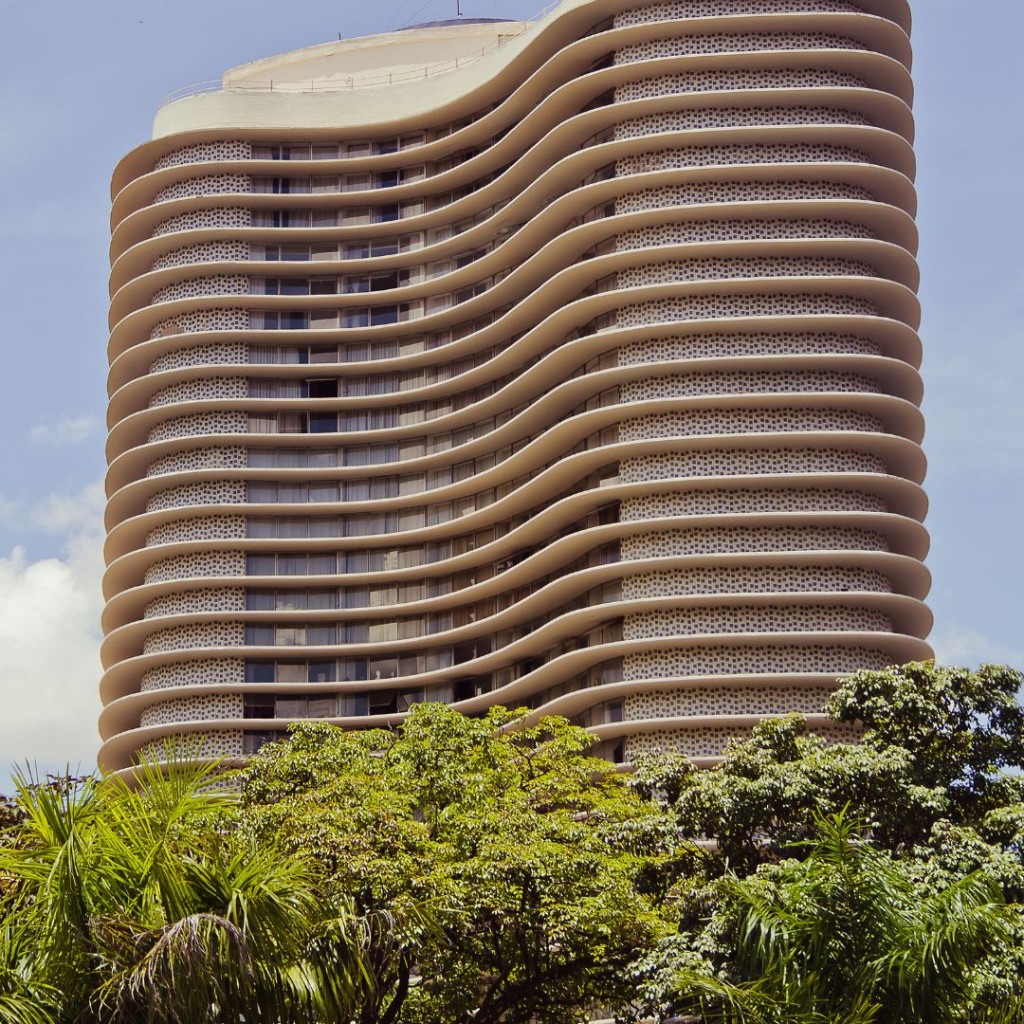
(25, 996)
(135, 904)
(504, 862)
(479, 871)
(935, 783)
(937, 747)
(846, 936)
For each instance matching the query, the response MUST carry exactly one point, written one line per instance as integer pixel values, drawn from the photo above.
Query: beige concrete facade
(569, 365)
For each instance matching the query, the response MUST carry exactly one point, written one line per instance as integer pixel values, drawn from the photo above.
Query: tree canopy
(128, 904)
(488, 871)
(505, 861)
(826, 860)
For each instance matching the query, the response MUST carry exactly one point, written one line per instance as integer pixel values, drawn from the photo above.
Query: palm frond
(180, 973)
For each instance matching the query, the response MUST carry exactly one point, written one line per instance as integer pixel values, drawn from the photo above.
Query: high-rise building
(568, 364)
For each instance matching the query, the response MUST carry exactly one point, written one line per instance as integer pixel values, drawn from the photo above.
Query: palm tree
(226, 944)
(846, 937)
(45, 908)
(141, 903)
(25, 998)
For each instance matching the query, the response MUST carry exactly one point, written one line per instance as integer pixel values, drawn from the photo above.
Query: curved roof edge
(455, 21)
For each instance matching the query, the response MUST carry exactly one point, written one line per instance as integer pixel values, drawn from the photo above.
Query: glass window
(383, 522)
(259, 600)
(356, 561)
(323, 671)
(383, 668)
(356, 525)
(381, 282)
(438, 659)
(322, 707)
(259, 672)
(355, 318)
(324, 526)
(356, 182)
(257, 527)
(260, 565)
(408, 629)
(440, 693)
(258, 706)
(262, 458)
(319, 600)
(411, 484)
(324, 354)
(290, 600)
(291, 423)
(291, 636)
(323, 458)
(353, 670)
(411, 518)
(382, 702)
(323, 422)
(291, 493)
(355, 285)
(353, 704)
(384, 315)
(355, 633)
(321, 635)
(439, 513)
(293, 527)
(381, 631)
(356, 215)
(323, 492)
(319, 564)
(261, 493)
(259, 636)
(290, 708)
(323, 319)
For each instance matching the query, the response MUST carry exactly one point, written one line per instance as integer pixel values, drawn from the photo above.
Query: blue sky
(79, 87)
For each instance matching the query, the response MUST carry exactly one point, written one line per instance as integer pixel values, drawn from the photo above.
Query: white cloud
(69, 430)
(957, 646)
(73, 514)
(49, 640)
(10, 512)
